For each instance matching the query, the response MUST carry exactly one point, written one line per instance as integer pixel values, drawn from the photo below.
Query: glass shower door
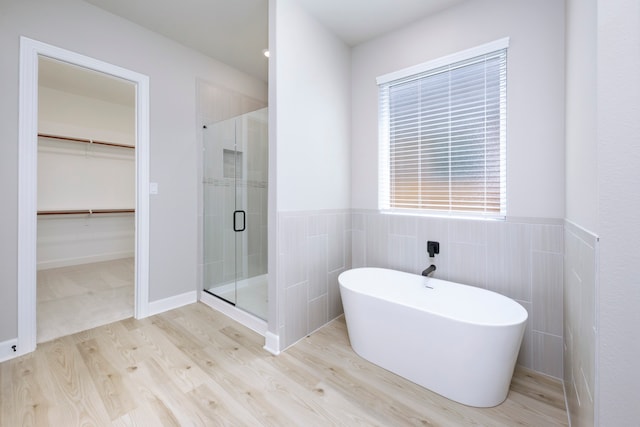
(235, 211)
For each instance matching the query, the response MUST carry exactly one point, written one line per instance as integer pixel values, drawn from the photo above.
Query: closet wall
(84, 174)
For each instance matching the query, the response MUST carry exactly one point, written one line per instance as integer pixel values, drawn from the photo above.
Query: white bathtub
(459, 341)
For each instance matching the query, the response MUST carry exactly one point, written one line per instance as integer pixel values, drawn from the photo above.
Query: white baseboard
(272, 343)
(57, 263)
(6, 349)
(166, 304)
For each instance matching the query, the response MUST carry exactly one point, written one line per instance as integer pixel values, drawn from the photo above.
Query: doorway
(85, 198)
(30, 53)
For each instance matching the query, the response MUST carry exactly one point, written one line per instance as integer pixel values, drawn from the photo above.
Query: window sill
(442, 215)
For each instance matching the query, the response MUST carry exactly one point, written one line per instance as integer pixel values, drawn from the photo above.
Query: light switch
(153, 188)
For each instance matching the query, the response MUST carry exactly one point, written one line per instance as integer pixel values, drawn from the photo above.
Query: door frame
(30, 50)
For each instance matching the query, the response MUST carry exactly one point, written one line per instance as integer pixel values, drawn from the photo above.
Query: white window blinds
(443, 136)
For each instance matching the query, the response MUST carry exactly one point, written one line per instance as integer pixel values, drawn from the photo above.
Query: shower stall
(235, 183)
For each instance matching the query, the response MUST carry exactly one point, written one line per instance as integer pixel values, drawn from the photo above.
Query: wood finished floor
(194, 367)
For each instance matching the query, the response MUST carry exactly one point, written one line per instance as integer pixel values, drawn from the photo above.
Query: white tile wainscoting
(580, 327)
(521, 258)
(314, 248)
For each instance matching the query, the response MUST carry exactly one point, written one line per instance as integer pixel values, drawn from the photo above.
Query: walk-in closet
(86, 199)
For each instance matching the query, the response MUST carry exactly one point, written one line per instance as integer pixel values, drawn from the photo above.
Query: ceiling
(236, 31)
(232, 31)
(357, 21)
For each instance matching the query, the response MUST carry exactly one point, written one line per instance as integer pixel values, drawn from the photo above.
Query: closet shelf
(86, 211)
(85, 140)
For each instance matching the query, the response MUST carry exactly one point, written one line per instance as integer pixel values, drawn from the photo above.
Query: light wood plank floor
(195, 367)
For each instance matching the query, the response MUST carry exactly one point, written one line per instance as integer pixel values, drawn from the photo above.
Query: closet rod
(86, 211)
(87, 141)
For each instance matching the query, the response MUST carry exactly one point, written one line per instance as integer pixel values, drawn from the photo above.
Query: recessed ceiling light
(265, 52)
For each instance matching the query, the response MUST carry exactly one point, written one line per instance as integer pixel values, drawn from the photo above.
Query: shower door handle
(239, 222)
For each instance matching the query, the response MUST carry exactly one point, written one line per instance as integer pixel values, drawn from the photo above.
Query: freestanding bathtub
(459, 341)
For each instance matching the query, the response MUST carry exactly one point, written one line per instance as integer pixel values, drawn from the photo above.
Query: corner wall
(618, 300)
(603, 153)
(581, 240)
(310, 129)
(313, 121)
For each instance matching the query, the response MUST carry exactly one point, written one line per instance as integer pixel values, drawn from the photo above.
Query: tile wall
(580, 328)
(522, 259)
(314, 248)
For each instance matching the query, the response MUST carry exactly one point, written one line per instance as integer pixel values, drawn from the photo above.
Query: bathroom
(544, 255)
(323, 192)
(521, 257)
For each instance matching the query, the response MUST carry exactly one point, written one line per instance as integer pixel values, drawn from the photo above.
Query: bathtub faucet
(427, 271)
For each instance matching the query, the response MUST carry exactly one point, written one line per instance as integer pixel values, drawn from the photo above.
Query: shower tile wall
(230, 178)
(580, 328)
(314, 248)
(257, 196)
(216, 104)
(522, 260)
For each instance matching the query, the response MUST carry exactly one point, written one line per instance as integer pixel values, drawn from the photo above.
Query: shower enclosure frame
(235, 167)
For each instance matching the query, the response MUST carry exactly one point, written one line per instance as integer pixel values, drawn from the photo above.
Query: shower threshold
(234, 312)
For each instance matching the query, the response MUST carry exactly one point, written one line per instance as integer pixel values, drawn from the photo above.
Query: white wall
(309, 106)
(618, 225)
(80, 176)
(581, 136)
(65, 240)
(67, 114)
(535, 93)
(581, 242)
(603, 177)
(313, 118)
(77, 26)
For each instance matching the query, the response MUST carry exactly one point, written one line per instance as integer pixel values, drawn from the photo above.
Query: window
(443, 135)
